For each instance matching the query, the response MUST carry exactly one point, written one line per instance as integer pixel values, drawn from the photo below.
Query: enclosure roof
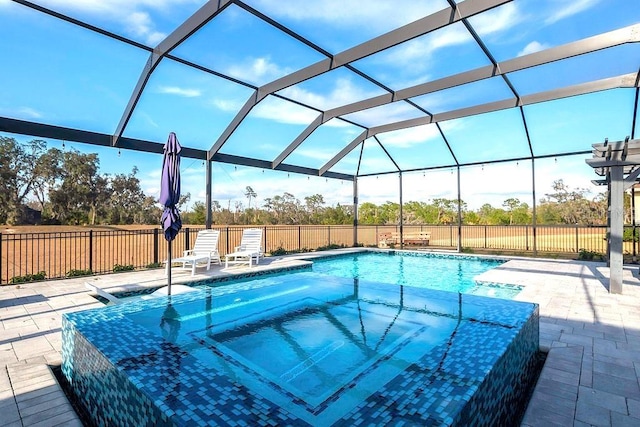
(332, 88)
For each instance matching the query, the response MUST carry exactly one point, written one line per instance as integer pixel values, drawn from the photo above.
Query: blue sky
(60, 74)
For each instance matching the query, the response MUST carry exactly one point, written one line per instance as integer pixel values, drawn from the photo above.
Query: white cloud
(284, 112)
(318, 154)
(278, 110)
(415, 53)
(147, 118)
(410, 137)
(533, 47)
(390, 113)
(28, 112)
(227, 105)
(139, 24)
(131, 15)
(567, 8)
(351, 13)
(496, 20)
(231, 184)
(257, 70)
(174, 90)
(343, 92)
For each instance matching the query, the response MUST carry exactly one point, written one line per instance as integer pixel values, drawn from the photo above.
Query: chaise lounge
(205, 250)
(250, 248)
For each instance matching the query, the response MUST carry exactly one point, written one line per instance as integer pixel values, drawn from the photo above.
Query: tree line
(68, 188)
(563, 205)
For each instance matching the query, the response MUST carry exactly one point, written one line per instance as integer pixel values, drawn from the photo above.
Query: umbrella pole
(169, 270)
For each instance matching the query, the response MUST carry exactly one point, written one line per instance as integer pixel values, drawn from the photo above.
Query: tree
(284, 209)
(368, 213)
(79, 190)
(570, 206)
(389, 213)
(18, 165)
(48, 172)
(314, 206)
(511, 204)
(126, 199)
(488, 215)
(338, 215)
(197, 214)
(447, 210)
(250, 194)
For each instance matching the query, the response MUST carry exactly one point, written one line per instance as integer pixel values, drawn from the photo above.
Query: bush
(41, 275)
(329, 247)
(627, 235)
(279, 251)
(586, 255)
(154, 265)
(79, 273)
(118, 268)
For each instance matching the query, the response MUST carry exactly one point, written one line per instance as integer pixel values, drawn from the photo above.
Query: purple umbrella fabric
(170, 188)
(170, 195)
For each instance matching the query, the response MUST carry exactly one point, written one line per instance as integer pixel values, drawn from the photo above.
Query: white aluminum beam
(203, 15)
(616, 209)
(435, 21)
(346, 150)
(231, 127)
(624, 81)
(630, 34)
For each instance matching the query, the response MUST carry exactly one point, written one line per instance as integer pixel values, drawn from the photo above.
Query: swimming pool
(453, 273)
(303, 349)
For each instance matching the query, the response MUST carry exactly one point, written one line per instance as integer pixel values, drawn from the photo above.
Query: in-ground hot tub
(303, 349)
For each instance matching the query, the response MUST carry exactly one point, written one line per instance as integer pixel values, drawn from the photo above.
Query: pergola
(479, 74)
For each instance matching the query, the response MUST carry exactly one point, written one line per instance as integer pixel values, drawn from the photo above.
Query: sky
(60, 74)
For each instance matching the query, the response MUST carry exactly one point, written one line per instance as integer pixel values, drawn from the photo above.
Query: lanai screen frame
(455, 13)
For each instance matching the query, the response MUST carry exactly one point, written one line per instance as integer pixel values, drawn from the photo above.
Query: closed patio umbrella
(170, 195)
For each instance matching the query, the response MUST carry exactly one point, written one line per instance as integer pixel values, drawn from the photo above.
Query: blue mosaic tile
(126, 375)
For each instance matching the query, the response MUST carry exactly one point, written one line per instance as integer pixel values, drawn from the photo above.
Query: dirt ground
(63, 228)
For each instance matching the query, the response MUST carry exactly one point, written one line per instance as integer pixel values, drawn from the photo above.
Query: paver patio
(591, 375)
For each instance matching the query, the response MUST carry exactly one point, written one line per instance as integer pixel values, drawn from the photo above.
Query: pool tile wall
(462, 383)
(474, 378)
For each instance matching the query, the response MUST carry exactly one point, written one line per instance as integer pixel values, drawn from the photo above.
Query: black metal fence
(66, 254)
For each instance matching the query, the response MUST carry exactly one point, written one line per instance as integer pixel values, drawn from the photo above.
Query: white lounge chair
(205, 250)
(250, 248)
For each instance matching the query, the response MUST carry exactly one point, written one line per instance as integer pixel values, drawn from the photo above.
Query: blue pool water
(305, 348)
(446, 273)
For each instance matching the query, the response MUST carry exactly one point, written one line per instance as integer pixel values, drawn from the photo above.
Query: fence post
(227, 239)
(264, 238)
(90, 250)
(633, 241)
(1, 259)
(156, 249)
(329, 234)
(485, 237)
(526, 233)
(186, 239)
(577, 249)
(299, 238)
